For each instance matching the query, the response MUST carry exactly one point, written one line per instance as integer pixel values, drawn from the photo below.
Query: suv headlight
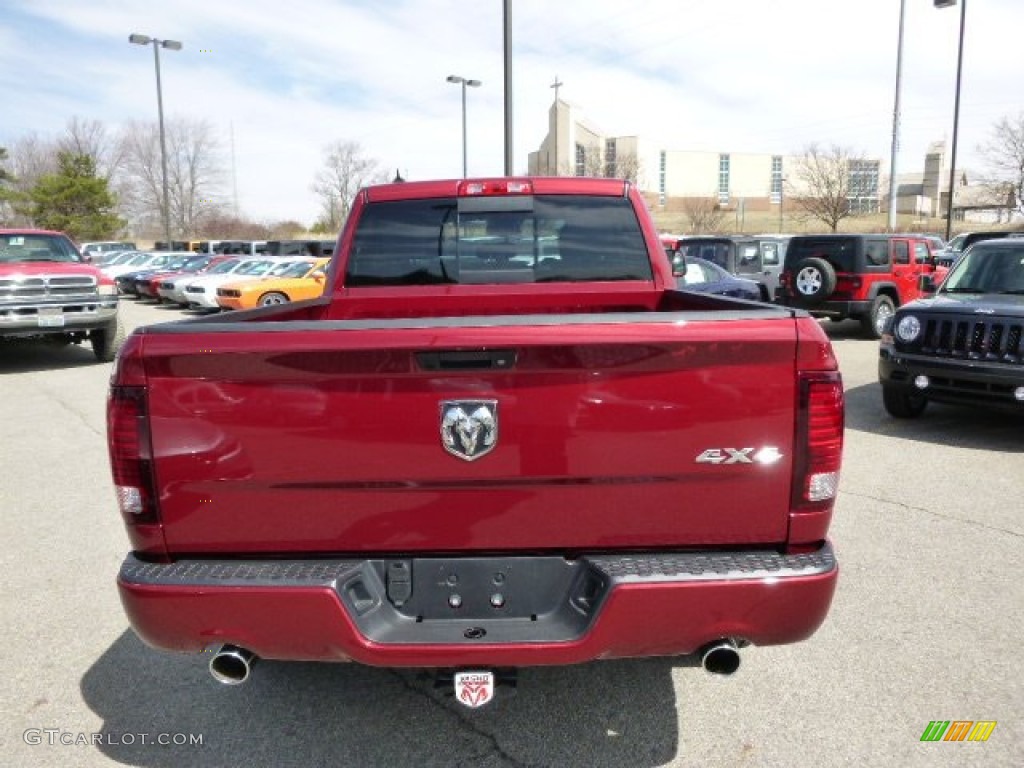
(908, 328)
(106, 289)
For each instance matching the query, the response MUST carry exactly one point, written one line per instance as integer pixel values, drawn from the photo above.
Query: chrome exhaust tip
(232, 665)
(721, 657)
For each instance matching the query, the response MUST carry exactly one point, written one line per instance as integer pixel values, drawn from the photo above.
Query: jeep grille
(970, 338)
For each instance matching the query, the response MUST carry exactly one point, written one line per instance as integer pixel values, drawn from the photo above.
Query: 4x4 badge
(767, 455)
(469, 428)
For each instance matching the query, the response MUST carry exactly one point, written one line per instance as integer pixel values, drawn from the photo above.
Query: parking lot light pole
(956, 109)
(896, 124)
(472, 84)
(171, 45)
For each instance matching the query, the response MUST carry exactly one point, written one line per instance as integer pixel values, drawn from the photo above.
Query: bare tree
(6, 188)
(194, 174)
(30, 158)
(346, 170)
(704, 214)
(596, 163)
(1004, 155)
(90, 137)
(825, 181)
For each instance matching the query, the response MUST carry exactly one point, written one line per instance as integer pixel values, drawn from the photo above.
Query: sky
(280, 79)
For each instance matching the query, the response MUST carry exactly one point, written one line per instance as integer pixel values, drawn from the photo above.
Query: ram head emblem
(469, 428)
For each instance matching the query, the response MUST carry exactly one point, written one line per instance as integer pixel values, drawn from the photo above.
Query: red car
(149, 288)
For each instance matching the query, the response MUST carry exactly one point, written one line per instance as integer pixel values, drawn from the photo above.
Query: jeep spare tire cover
(814, 280)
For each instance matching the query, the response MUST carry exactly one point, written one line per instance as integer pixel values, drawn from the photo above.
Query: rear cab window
(535, 239)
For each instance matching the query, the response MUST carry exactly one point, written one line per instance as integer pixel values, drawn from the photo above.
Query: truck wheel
(901, 404)
(882, 308)
(106, 341)
(272, 299)
(814, 280)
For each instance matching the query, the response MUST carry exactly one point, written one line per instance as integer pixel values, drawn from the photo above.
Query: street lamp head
(172, 45)
(454, 79)
(139, 39)
(474, 83)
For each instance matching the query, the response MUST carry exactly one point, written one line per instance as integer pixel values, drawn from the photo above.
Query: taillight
(130, 461)
(819, 441)
(848, 283)
(495, 187)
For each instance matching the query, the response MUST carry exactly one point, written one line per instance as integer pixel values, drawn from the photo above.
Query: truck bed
(321, 436)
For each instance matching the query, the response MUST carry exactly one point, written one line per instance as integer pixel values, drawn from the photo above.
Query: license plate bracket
(50, 317)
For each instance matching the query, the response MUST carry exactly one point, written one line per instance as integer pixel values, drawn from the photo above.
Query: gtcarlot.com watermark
(59, 737)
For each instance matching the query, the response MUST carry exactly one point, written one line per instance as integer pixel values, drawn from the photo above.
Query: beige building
(736, 181)
(574, 147)
(744, 182)
(927, 194)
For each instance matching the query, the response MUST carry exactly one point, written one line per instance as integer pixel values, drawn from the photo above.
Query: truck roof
(544, 185)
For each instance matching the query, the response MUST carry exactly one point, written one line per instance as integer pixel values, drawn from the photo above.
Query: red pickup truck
(48, 291)
(501, 438)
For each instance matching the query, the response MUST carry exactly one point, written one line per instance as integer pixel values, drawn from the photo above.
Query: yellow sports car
(293, 280)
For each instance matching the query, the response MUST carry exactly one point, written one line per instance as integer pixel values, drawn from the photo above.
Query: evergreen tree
(75, 200)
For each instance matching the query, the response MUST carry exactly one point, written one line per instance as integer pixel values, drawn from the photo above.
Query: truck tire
(106, 341)
(901, 404)
(882, 308)
(272, 299)
(814, 280)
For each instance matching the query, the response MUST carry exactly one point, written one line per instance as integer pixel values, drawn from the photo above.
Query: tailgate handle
(467, 360)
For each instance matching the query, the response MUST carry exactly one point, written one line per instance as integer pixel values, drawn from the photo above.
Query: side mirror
(319, 276)
(926, 284)
(678, 264)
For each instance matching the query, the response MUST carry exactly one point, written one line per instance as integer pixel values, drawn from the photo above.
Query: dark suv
(963, 345)
(864, 277)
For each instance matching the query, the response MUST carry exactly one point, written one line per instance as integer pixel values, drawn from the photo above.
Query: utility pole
(507, 14)
(896, 124)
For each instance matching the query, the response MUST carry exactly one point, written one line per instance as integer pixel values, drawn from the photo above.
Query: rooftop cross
(556, 85)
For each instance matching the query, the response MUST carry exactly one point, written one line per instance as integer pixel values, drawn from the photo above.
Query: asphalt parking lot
(930, 604)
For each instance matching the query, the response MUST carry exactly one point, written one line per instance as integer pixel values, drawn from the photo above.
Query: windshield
(255, 267)
(114, 258)
(179, 262)
(556, 238)
(139, 258)
(225, 266)
(291, 269)
(956, 244)
(988, 270)
(194, 264)
(158, 261)
(36, 247)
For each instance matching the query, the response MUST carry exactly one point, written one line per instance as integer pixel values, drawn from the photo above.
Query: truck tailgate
(326, 437)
